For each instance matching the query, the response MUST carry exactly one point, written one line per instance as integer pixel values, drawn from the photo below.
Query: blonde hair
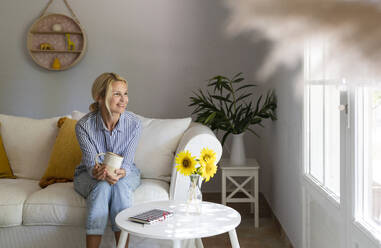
(102, 88)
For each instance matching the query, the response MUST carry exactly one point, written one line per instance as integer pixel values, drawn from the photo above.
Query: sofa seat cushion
(59, 204)
(14, 192)
(151, 190)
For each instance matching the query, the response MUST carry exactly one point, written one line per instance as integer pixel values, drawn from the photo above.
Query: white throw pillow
(157, 146)
(77, 115)
(28, 144)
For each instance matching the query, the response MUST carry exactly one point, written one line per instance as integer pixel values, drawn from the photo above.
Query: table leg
(256, 196)
(122, 239)
(199, 243)
(253, 194)
(233, 239)
(176, 243)
(223, 192)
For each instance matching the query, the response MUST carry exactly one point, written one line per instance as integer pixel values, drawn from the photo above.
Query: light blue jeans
(104, 200)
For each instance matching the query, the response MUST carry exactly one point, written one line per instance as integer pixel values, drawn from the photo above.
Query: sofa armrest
(196, 137)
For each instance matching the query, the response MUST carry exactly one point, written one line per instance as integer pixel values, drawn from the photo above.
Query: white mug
(112, 161)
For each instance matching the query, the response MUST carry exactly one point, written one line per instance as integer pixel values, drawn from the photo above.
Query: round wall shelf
(56, 42)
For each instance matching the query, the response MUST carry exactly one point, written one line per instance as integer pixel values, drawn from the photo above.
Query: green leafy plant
(229, 107)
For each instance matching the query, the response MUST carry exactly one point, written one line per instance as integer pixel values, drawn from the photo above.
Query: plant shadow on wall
(230, 106)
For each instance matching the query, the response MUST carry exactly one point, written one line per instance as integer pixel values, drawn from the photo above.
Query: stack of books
(151, 216)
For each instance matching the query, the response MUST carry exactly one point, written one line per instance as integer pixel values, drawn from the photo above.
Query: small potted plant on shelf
(231, 109)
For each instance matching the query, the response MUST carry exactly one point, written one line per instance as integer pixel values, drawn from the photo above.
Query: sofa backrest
(28, 144)
(157, 145)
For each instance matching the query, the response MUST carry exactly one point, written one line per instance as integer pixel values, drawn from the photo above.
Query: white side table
(250, 173)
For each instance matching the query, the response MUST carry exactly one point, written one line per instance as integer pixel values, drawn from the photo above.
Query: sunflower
(207, 155)
(208, 170)
(186, 164)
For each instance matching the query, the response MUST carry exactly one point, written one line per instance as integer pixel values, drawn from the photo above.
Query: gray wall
(166, 49)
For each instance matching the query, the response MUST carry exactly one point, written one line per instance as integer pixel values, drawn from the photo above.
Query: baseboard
(282, 232)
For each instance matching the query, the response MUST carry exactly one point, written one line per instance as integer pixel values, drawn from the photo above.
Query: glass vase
(194, 195)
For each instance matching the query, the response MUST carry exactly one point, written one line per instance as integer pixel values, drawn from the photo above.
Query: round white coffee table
(214, 219)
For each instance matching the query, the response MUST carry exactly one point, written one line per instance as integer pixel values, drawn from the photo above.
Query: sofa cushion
(5, 168)
(28, 144)
(157, 146)
(59, 204)
(77, 115)
(14, 193)
(66, 155)
(151, 190)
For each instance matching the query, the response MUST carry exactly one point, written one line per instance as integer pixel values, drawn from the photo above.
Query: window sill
(322, 190)
(368, 230)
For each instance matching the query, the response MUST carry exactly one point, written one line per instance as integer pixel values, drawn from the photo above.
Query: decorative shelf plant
(55, 41)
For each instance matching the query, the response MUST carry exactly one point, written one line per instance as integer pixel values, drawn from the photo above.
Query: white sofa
(55, 216)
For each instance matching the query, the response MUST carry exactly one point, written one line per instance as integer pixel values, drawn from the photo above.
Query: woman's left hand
(112, 179)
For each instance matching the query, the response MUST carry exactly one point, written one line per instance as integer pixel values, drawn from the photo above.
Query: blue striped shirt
(93, 138)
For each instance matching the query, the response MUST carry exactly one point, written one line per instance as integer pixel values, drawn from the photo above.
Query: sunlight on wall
(353, 28)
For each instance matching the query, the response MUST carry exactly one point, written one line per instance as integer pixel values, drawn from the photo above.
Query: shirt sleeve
(129, 155)
(87, 147)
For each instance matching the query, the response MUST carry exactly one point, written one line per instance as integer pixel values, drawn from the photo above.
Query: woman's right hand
(99, 172)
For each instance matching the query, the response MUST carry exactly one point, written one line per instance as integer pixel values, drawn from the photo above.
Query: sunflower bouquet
(205, 165)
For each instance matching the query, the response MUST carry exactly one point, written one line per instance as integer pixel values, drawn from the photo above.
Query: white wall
(279, 155)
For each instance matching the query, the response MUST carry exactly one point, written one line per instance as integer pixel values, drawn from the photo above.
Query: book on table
(151, 216)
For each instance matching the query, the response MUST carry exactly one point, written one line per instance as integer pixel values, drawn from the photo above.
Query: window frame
(320, 185)
(360, 220)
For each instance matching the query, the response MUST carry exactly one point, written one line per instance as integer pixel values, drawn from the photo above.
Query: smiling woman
(107, 128)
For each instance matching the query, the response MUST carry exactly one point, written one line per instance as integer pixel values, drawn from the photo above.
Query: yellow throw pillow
(5, 168)
(65, 156)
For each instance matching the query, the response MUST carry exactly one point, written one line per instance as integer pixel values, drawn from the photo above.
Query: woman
(107, 128)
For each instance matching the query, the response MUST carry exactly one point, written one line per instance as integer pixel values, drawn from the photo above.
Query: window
(323, 135)
(368, 155)
(322, 121)
(343, 144)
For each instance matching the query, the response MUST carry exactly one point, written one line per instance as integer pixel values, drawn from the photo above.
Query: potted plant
(231, 109)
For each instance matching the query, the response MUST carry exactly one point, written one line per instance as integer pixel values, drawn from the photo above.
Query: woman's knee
(122, 196)
(122, 189)
(132, 181)
(101, 189)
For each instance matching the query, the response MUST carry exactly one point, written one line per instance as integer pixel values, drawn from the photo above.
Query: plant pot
(237, 153)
